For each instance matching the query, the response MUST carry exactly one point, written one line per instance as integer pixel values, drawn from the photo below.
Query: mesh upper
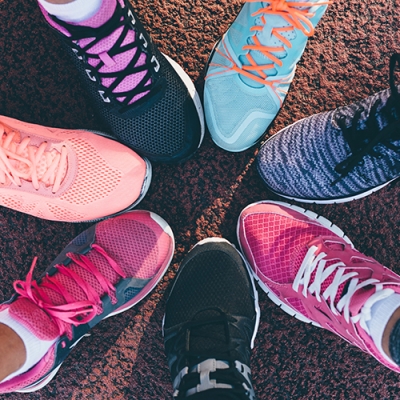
(210, 279)
(237, 105)
(134, 244)
(211, 310)
(95, 178)
(165, 125)
(278, 244)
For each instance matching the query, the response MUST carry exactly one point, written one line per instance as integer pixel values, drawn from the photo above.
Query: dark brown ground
(346, 60)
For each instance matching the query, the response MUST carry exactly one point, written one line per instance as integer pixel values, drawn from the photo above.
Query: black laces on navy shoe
(365, 141)
(122, 17)
(213, 338)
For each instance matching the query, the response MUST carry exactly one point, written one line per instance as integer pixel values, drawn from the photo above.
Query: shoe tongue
(34, 319)
(119, 62)
(298, 259)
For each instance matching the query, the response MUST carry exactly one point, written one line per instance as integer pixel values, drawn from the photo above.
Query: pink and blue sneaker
(310, 268)
(104, 271)
(145, 98)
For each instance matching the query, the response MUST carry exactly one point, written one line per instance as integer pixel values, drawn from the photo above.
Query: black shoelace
(214, 337)
(120, 18)
(364, 142)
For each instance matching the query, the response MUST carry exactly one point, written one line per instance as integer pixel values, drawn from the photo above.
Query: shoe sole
(250, 272)
(314, 216)
(143, 293)
(337, 200)
(192, 92)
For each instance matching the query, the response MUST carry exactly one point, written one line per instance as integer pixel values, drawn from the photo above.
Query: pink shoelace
(114, 52)
(72, 312)
(21, 161)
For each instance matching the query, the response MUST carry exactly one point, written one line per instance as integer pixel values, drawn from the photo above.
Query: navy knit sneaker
(339, 155)
(146, 99)
(210, 323)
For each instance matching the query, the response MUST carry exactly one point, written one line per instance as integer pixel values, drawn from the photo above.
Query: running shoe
(210, 324)
(339, 155)
(252, 66)
(68, 175)
(311, 270)
(104, 271)
(145, 98)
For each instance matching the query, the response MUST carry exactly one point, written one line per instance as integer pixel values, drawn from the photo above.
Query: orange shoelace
(21, 161)
(296, 14)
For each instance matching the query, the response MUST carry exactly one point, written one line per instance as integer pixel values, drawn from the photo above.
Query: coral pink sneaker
(104, 271)
(309, 267)
(67, 175)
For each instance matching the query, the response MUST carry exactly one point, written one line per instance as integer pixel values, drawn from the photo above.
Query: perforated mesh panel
(233, 104)
(95, 178)
(132, 244)
(278, 244)
(220, 282)
(159, 128)
(62, 214)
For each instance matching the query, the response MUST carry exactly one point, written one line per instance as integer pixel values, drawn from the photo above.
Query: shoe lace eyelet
(76, 51)
(130, 15)
(105, 99)
(157, 66)
(141, 36)
(91, 77)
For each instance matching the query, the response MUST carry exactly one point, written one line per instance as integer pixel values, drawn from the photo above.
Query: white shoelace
(313, 261)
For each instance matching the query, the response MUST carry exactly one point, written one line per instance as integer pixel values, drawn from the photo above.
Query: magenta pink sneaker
(104, 271)
(146, 99)
(309, 267)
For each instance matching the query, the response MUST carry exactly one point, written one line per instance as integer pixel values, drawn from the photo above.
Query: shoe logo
(143, 39)
(157, 67)
(133, 20)
(105, 99)
(92, 78)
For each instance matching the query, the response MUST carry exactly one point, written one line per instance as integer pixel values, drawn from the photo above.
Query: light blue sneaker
(252, 66)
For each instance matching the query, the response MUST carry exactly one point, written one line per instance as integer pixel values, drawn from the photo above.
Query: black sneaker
(146, 99)
(210, 323)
